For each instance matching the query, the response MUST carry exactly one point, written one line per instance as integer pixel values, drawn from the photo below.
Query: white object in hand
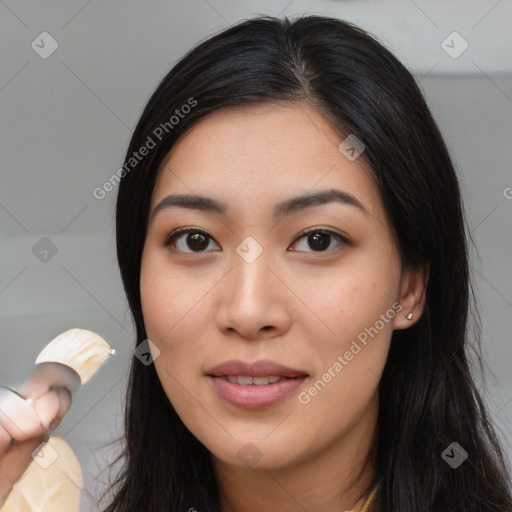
(84, 351)
(53, 480)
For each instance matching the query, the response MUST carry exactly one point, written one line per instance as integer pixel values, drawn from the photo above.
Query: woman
(369, 271)
(291, 240)
(261, 113)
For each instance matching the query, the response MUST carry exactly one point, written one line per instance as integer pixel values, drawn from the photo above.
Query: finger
(15, 461)
(47, 408)
(5, 439)
(52, 406)
(18, 418)
(66, 399)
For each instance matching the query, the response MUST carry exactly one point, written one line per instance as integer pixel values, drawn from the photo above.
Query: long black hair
(428, 398)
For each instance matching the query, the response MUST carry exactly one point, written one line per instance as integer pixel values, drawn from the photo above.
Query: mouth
(263, 368)
(244, 380)
(254, 385)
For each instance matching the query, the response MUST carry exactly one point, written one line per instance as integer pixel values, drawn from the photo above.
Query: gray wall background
(66, 119)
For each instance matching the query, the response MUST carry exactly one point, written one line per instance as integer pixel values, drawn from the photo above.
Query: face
(257, 286)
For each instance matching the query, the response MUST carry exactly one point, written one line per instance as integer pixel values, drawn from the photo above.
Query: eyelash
(181, 231)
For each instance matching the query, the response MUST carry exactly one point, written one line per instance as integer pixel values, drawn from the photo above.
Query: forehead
(263, 153)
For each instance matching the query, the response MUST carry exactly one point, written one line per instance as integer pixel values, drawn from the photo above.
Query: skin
(21, 431)
(295, 304)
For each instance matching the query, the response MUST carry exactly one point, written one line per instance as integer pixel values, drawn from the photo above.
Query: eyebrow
(292, 205)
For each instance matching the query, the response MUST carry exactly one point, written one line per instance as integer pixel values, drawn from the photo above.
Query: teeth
(261, 381)
(256, 381)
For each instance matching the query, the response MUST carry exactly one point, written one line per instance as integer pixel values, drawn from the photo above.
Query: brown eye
(189, 240)
(320, 240)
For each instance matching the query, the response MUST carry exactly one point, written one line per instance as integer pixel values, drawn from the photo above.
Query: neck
(335, 479)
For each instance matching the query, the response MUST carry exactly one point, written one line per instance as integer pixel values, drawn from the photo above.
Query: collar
(363, 504)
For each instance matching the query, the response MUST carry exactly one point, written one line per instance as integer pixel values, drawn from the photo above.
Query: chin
(257, 454)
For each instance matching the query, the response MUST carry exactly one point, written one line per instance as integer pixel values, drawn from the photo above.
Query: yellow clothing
(52, 483)
(362, 505)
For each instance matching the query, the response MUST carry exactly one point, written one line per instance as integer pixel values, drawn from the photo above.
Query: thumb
(52, 406)
(65, 399)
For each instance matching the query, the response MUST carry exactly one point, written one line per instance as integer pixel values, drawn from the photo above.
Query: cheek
(348, 299)
(171, 300)
(174, 307)
(350, 360)
(352, 316)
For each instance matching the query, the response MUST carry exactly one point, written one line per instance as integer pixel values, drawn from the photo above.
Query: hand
(24, 425)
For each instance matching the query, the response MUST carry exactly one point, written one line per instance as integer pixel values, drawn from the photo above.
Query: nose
(254, 300)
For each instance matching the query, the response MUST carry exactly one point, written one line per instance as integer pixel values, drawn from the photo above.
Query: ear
(412, 295)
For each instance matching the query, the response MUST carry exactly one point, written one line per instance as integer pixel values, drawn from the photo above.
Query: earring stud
(408, 316)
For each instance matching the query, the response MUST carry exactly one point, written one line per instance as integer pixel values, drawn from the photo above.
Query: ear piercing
(408, 316)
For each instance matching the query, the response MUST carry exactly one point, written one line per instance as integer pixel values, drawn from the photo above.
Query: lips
(255, 385)
(263, 368)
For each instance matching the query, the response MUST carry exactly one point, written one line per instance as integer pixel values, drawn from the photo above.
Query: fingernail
(65, 395)
(65, 399)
